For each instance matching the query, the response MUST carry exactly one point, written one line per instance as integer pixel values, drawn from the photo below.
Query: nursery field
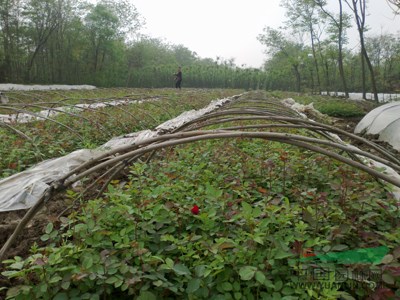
(24, 144)
(250, 201)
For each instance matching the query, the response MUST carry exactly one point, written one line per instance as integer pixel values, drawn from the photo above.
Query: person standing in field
(3, 98)
(178, 78)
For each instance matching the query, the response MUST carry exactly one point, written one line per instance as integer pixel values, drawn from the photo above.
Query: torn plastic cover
(23, 190)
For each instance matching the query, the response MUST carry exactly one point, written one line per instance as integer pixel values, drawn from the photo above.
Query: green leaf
(111, 280)
(181, 269)
(268, 283)
(87, 261)
(326, 248)
(226, 286)
(247, 272)
(278, 285)
(193, 285)
(61, 296)
(308, 217)
(387, 259)
(237, 295)
(45, 237)
(247, 209)
(236, 286)
(287, 290)
(49, 228)
(65, 285)
(17, 265)
(276, 296)
(11, 274)
(14, 291)
(260, 277)
(200, 270)
(259, 240)
(55, 279)
(64, 220)
(256, 212)
(43, 287)
(339, 247)
(158, 283)
(388, 278)
(169, 262)
(282, 254)
(146, 295)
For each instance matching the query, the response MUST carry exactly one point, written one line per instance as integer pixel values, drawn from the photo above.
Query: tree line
(75, 42)
(78, 42)
(309, 52)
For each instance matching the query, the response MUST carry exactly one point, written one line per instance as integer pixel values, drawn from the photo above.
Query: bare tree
(11, 12)
(358, 8)
(340, 22)
(302, 17)
(44, 17)
(395, 5)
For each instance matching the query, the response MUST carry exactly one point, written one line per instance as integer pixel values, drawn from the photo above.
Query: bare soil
(31, 234)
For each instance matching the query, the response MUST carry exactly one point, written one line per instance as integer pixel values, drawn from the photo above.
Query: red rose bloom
(195, 210)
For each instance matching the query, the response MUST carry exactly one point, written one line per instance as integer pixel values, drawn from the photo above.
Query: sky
(229, 28)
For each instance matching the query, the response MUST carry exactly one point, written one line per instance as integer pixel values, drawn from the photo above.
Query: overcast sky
(229, 28)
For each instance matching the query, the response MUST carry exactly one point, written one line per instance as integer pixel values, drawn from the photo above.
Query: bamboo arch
(320, 140)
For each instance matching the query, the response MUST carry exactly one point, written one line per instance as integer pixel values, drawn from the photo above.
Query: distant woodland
(77, 42)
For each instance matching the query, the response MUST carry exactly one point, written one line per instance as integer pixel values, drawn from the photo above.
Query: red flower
(307, 252)
(195, 210)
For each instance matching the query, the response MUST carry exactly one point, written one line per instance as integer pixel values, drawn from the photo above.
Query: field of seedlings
(250, 200)
(78, 126)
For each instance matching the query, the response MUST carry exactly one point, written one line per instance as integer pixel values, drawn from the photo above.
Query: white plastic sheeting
(292, 104)
(382, 97)
(23, 87)
(383, 121)
(23, 190)
(300, 108)
(26, 118)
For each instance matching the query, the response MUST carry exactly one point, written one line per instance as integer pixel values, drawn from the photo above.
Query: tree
(102, 25)
(302, 17)
(129, 20)
(384, 53)
(359, 10)
(395, 4)
(43, 19)
(12, 38)
(276, 42)
(337, 26)
(183, 55)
